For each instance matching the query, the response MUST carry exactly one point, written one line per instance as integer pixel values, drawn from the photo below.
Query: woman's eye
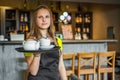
(47, 16)
(39, 16)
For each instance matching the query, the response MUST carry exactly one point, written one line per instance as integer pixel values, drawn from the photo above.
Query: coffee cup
(31, 45)
(45, 42)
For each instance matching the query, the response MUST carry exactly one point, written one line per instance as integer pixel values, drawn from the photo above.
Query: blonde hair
(35, 30)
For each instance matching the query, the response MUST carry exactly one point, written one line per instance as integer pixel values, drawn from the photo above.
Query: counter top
(88, 41)
(65, 41)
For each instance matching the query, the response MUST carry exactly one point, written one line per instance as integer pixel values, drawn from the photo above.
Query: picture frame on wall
(110, 32)
(0, 21)
(67, 31)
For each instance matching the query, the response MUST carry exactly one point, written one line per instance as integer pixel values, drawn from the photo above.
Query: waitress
(48, 65)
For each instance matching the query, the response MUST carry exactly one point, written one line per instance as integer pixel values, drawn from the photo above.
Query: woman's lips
(44, 23)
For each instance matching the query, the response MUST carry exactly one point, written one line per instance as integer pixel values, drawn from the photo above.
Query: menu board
(67, 31)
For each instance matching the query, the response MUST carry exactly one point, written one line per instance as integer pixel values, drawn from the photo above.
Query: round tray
(21, 49)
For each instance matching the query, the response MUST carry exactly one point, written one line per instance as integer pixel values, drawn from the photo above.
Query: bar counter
(65, 41)
(13, 65)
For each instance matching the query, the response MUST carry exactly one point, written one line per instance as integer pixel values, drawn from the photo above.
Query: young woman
(48, 65)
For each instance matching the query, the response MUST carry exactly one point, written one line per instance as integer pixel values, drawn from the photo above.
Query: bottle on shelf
(25, 18)
(77, 19)
(84, 29)
(13, 15)
(21, 17)
(89, 19)
(80, 18)
(86, 18)
(21, 28)
(87, 30)
(76, 35)
(85, 36)
(79, 34)
(26, 27)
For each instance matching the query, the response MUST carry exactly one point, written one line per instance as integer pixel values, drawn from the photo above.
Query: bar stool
(70, 56)
(26, 75)
(86, 64)
(106, 63)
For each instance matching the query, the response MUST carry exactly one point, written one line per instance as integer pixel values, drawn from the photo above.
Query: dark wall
(93, 1)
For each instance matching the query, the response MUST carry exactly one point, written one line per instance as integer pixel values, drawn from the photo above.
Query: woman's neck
(44, 33)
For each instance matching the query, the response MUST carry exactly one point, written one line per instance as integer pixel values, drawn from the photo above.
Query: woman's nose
(44, 19)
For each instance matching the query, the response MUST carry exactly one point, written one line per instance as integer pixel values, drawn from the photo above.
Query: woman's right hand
(37, 54)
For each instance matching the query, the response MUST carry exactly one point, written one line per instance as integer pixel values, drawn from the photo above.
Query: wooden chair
(70, 56)
(86, 64)
(106, 63)
(26, 75)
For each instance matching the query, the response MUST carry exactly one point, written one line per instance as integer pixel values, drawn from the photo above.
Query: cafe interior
(89, 29)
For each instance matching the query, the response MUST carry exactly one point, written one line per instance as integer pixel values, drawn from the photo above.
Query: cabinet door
(10, 21)
(87, 28)
(83, 22)
(24, 21)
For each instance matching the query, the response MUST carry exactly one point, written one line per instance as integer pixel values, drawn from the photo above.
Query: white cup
(31, 45)
(44, 42)
(1, 37)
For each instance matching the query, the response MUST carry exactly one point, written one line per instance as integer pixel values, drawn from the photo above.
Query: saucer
(47, 47)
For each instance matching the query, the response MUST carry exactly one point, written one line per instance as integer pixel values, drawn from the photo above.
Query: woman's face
(43, 19)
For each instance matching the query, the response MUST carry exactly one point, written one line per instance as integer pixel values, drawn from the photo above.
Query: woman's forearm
(34, 66)
(33, 63)
(62, 69)
(63, 73)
